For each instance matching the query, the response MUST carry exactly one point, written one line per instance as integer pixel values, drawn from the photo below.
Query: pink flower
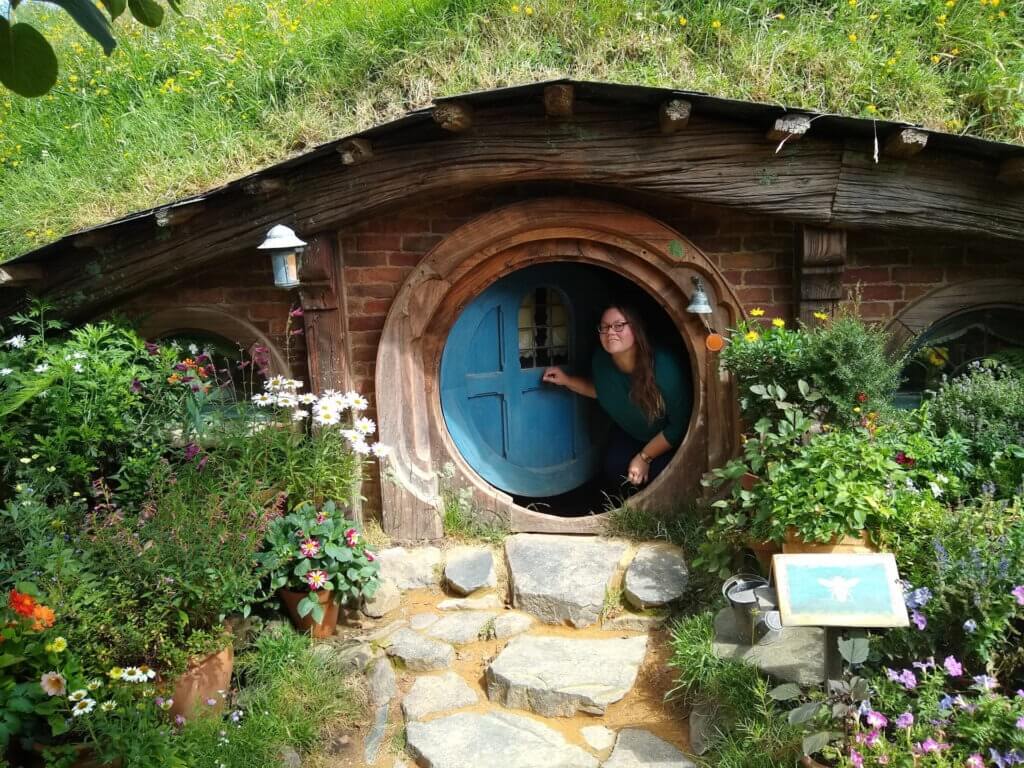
(877, 719)
(975, 761)
(953, 667)
(856, 759)
(310, 548)
(1020, 722)
(351, 537)
(929, 745)
(316, 579)
(297, 312)
(370, 556)
(1018, 592)
(908, 679)
(179, 719)
(320, 518)
(883, 759)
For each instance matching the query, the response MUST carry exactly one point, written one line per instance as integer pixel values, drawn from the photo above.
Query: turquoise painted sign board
(862, 590)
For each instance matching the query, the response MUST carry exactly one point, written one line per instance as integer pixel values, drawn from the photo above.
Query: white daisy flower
(293, 384)
(263, 399)
(94, 684)
(42, 368)
(17, 341)
(357, 402)
(360, 447)
(380, 450)
(308, 398)
(298, 414)
(53, 684)
(78, 695)
(6, 371)
(84, 707)
(331, 393)
(108, 706)
(326, 416)
(351, 435)
(287, 400)
(365, 426)
(133, 675)
(274, 383)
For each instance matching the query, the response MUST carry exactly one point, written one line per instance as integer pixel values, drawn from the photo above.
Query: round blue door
(522, 436)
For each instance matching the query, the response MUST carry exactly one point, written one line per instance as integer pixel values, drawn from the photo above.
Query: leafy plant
(318, 549)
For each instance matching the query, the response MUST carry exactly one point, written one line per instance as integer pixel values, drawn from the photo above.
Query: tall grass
(233, 86)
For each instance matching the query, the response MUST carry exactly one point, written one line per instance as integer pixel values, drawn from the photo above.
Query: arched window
(951, 344)
(543, 329)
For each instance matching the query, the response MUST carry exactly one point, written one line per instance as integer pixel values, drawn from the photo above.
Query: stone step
(637, 748)
(469, 739)
(437, 693)
(561, 579)
(558, 676)
(657, 575)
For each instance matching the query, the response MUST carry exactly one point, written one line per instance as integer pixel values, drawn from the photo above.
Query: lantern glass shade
(286, 267)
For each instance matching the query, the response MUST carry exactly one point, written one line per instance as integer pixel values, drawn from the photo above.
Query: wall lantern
(285, 249)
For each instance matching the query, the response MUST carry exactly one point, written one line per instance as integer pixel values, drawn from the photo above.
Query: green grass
(233, 86)
(289, 695)
(460, 519)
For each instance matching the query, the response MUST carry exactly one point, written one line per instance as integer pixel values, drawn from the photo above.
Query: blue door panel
(523, 436)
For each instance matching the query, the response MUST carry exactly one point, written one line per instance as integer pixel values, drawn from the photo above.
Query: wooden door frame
(627, 242)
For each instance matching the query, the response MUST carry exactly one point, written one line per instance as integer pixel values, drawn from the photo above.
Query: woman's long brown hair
(643, 390)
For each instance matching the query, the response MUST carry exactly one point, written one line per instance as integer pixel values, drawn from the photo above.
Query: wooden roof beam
(789, 128)
(18, 275)
(559, 100)
(905, 143)
(355, 151)
(1011, 172)
(454, 116)
(673, 115)
(265, 186)
(173, 215)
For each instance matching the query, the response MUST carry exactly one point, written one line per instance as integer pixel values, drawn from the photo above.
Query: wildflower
(877, 719)
(78, 695)
(778, 322)
(529, 10)
(919, 619)
(325, 414)
(108, 706)
(18, 341)
(191, 451)
(970, 626)
(946, 703)
(307, 398)
(985, 683)
(370, 556)
(133, 675)
(365, 426)
(380, 450)
(856, 409)
(936, 490)
(936, 58)
(263, 400)
(53, 684)
(852, 37)
(275, 383)
(757, 312)
(287, 400)
(356, 401)
(953, 667)
(310, 548)
(237, 715)
(22, 604)
(905, 720)
(360, 447)
(821, 315)
(925, 665)
(855, 758)
(1018, 592)
(152, 348)
(316, 579)
(752, 336)
(25, 460)
(84, 707)
(515, 8)
(929, 745)
(683, 21)
(716, 24)
(42, 368)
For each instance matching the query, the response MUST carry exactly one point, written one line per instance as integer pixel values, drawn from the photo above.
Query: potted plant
(318, 561)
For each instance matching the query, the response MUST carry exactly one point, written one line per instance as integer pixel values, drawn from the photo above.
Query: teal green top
(612, 387)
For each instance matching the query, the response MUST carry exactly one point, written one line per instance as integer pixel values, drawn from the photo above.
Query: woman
(644, 390)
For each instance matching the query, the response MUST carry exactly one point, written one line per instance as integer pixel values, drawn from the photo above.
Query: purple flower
(970, 626)
(953, 667)
(211, 702)
(1020, 722)
(1018, 592)
(202, 463)
(152, 348)
(877, 719)
(985, 683)
(929, 745)
(136, 386)
(925, 665)
(180, 367)
(905, 720)
(946, 703)
(159, 701)
(892, 674)
(179, 719)
(919, 620)
(855, 758)
(191, 451)
(908, 679)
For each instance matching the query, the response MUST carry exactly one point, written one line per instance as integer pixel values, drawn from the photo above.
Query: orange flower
(173, 378)
(22, 604)
(44, 618)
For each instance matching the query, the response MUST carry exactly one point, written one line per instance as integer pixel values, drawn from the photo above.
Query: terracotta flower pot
(321, 629)
(202, 682)
(748, 480)
(845, 545)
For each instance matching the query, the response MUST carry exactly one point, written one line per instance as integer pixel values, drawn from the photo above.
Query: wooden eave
(828, 178)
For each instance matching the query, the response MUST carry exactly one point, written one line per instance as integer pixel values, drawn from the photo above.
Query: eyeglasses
(617, 327)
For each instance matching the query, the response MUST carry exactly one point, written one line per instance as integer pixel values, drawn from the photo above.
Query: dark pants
(622, 447)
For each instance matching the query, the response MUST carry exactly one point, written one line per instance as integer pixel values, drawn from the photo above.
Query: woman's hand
(555, 375)
(638, 471)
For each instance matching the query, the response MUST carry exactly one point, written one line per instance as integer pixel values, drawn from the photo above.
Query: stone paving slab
(561, 579)
(460, 628)
(485, 603)
(598, 737)
(419, 653)
(656, 576)
(636, 748)
(557, 676)
(512, 623)
(411, 568)
(468, 569)
(440, 693)
(467, 740)
(796, 657)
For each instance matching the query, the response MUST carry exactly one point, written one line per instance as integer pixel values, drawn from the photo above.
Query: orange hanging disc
(714, 342)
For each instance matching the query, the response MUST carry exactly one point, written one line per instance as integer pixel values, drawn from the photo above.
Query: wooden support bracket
(355, 151)
(789, 128)
(673, 115)
(17, 275)
(558, 100)
(906, 142)
(454, 116)
(1011, 172)
(821, 259)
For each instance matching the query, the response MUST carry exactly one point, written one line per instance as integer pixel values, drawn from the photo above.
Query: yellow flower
(1002, 14)
(873, 17)
(993, 3)
(752, 336)
(529, 10)
(821, 315)
(757, 312)
(780, 16)
(115, 673)
(515, 9)
(852, 37)
(778, 322)
(955, 52)
(936, 58)
(683, 21)
(891, 62)
(853, 3)
(950, 3)
(856, 409)
(943, 17)
(716, 24)
(871, 108)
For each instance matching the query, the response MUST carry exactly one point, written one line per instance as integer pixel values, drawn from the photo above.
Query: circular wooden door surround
(461, 267)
